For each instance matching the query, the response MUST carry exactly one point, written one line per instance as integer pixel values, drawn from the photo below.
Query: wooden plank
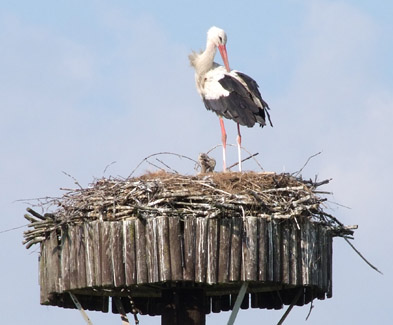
(321, 293)
(314, 238)
(285, 265)
(277, 250)
(330, 266)
(164, 258)
(294, 243)
(311, 253)
(201, 249)
(262, 250)
(151, 250)
(216, 304)
(141, 253)
(175, 251)
(305, 260)
(129, 255)
(80, 256)
(207, 305)
(324, 257)
(116, 242)
(225, 302)
(212, 251)
(249, 249)
(106, 255)
(73, 257)
(52, 262)
(189, 248)
(97, 252)
(64, 259)
(89, 244)
(224, 249)
(236, 250)
(270, 255)
(44, 294)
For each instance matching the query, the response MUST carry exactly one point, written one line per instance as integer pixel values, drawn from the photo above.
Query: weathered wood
(89, 246)
(276, 250)
(97, 252)
(236, 252)
(294, 244)
(250, 249)
(129, 246)
(106, 256)
(285, 250)
(324, 259)
(270, 250)
(164, 258)
(141, 254)
(152, 250)
(305, 260)
(224, 250)
(44, 293)
(52, 264)
(116, 242)
(212, 251)
(175, 249)
(189, 248)
(262, 249)
(201, 249)
(73, 233)
(316, 255)
(330, 267)
(81, 256)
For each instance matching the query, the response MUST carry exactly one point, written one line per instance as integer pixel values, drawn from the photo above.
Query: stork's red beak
(224, 55)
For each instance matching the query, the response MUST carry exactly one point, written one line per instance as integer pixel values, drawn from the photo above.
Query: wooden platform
(145, 258)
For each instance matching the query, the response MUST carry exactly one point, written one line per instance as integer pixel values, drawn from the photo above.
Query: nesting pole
(182, 246)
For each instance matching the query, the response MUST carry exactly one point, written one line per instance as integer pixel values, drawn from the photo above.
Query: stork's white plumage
(228, 93)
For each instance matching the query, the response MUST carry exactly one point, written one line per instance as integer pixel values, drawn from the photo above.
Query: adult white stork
(228, 93)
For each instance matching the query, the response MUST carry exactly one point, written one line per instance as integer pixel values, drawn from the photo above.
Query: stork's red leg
(239, 147)
(224, 144)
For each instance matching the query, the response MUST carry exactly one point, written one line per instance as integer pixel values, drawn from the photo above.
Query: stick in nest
(161, 153)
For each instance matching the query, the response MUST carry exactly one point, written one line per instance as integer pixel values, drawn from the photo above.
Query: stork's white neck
(205, 61)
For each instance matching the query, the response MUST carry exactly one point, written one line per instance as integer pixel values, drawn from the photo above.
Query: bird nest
(212, 195)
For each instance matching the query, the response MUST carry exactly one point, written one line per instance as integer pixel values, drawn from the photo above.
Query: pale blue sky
(82, 86)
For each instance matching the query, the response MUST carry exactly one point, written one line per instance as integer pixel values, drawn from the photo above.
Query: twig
(35, 214)
(15, 228)
(161, 153)
(363, 258)
(171, 169)
(75, 181)
(309, 312)
(154, 165)
(301, 169)
(107, 166)
(237, 163)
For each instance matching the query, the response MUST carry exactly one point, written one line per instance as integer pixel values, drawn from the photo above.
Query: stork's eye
(220, 39)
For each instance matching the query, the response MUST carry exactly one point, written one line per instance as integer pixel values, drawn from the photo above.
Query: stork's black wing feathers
(234, 107)
(239, 105)
(254, 89)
